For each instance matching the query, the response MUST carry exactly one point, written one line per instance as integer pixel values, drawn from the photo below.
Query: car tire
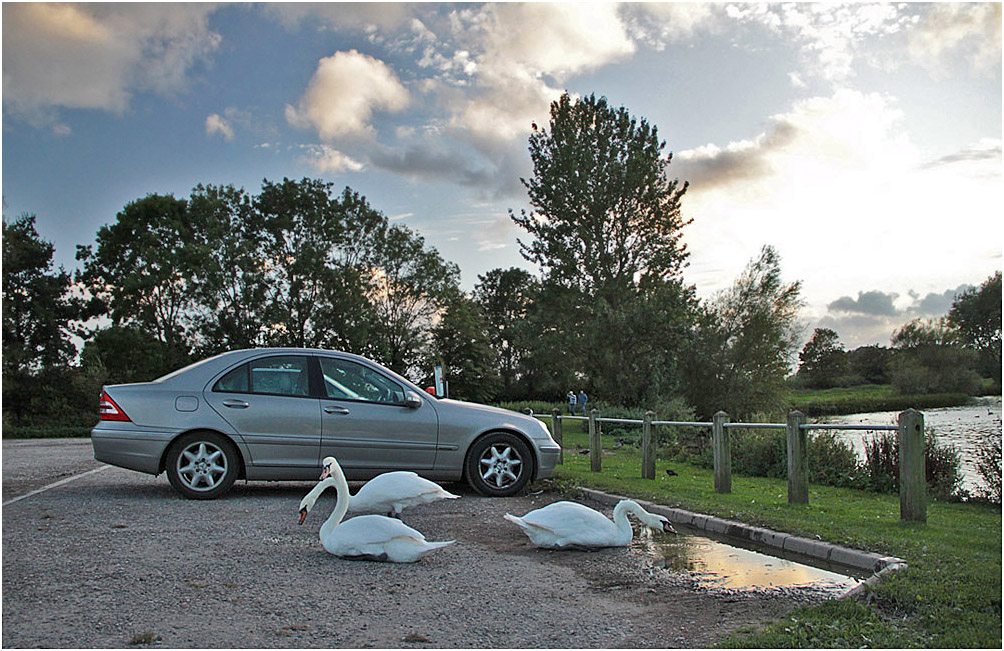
(202, 465)
(499, 465)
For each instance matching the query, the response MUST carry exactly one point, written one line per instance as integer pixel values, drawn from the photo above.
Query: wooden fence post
(722, 453)
(798, 459)
(556, 433)
(912, 475)
(647, 447)
(595, 452)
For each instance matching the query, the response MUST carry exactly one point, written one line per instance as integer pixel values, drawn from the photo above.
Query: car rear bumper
(132, 448)
(548, 460)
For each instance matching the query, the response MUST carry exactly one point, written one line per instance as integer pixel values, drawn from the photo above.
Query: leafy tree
(743, 344)
(606, 228)
(409, 287)
(870, 363)
(130, 354)
(930, 359)
(230, 280)
(823, 359)
(460, 340)
(976, 313)
(142, 270)
(38, 308)
(300, 228)
(504, 296)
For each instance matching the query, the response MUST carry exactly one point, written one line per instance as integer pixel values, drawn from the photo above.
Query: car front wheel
(499, 465)
(202, 465)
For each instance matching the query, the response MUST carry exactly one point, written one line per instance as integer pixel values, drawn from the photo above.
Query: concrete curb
(877, 564)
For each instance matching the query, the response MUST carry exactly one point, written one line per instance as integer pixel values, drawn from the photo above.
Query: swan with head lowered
(392, 492)
(364, 537)
(569, 525)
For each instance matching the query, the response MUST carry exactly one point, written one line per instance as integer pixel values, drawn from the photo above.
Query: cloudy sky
(863, 141)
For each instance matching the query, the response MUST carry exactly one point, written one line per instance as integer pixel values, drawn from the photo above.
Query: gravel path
(115, 558)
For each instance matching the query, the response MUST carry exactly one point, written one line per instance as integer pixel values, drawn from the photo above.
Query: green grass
(867, 398)
(54, 432)
(948, 597)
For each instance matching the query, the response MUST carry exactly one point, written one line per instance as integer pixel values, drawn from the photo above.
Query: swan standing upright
(364, 537)
(392, 492)
(569, 525)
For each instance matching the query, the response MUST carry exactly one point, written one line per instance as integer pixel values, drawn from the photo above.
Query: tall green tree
(409, 287)
(823, 359)
(976, 313)
(606, 231)
(230, 280)
(930, 358)
(40, 386)
(38, 308)
(745, 342)
(460, 341)
(504, 296)
(143, 268)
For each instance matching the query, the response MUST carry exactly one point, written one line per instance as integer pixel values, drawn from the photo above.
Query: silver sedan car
(273, 414)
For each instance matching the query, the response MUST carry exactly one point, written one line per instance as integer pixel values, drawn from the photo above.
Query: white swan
(392, 492)
(365, 537)
(564, 525)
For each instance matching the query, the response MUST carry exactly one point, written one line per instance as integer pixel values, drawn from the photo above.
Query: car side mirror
(412, 400)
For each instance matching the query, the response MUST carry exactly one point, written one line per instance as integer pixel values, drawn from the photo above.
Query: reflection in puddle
(719, 564)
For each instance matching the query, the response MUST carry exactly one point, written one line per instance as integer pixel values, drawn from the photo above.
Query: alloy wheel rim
(500, 466)
(202, 466)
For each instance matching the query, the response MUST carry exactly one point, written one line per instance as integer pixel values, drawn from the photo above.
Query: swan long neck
(620, 516)
(336, 479)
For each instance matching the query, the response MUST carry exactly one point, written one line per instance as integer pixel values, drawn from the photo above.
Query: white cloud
(324, 158)
(830, 36)
(970, 29)
(217, 124)
(97, 56)
(658, 23)
(847, 199)
(516, 52)
(343, 94)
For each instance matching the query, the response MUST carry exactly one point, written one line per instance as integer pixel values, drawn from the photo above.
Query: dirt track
(116, 558)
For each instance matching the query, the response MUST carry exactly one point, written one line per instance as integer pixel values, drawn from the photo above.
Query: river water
(960, 427)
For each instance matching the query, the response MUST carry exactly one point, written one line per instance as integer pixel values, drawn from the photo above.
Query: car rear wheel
(499, 465)
(202, 465)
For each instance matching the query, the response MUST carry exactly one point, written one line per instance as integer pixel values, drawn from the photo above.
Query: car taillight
(108, 410)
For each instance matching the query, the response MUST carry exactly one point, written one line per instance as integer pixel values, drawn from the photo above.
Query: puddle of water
(741, 565)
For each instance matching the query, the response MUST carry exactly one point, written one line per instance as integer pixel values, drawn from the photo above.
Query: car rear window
(284, 376)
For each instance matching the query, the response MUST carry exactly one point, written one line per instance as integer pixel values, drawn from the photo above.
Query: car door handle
(235, 404)
(332, 409)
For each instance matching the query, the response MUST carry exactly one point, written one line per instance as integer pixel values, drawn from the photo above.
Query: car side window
(284, 376)
(345, 380)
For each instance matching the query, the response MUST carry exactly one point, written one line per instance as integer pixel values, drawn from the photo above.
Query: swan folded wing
(402, 488)
(567, 524)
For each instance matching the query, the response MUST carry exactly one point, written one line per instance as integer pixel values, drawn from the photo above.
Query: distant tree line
(947, 355)
(174, 280)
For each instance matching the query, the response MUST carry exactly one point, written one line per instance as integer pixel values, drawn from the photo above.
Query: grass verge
(868, 398)
(948, 597)
(55, 432)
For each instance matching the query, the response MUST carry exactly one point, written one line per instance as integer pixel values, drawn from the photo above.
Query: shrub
(941, 463)
(988, 464)
(832, 461)
(764, 453)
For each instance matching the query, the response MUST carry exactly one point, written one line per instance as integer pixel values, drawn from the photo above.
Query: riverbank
(871, 398)
(948, 597)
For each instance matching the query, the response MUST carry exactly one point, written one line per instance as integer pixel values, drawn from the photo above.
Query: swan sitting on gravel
(365, 537)
(569, 525)
(392, 492)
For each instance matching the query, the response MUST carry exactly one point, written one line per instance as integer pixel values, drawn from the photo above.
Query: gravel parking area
(117, 559)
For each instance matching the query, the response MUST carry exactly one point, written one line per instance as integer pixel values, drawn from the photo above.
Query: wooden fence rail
(910, 428)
